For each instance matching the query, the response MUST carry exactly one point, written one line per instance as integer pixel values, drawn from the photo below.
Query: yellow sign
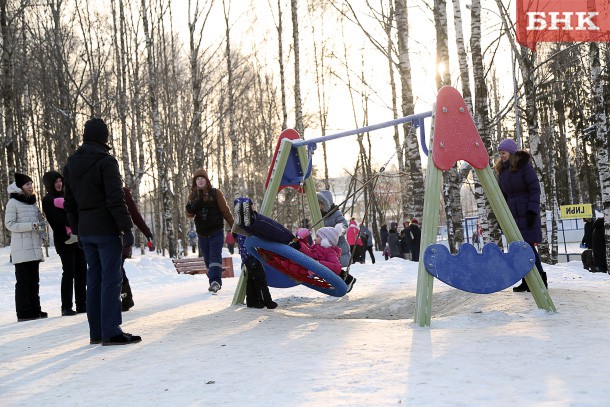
(576, 211)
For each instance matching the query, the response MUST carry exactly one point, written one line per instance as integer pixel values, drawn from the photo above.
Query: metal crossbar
(416, 119)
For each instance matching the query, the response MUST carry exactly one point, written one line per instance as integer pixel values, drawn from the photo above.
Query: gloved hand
(583, 245)
(531, 218)
(302, 233)
(150, 243)
(295, 244)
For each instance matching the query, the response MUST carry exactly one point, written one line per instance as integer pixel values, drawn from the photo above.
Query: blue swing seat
(480, 273)
(314, 275)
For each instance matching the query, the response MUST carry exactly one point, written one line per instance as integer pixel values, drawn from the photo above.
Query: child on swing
(324, 249)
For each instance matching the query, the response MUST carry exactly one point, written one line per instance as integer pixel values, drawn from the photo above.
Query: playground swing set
(454, 137)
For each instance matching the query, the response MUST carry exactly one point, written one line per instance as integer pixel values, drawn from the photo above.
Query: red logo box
(562, 21)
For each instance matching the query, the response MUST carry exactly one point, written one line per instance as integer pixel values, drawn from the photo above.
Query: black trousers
(74, 277)
(27, 300)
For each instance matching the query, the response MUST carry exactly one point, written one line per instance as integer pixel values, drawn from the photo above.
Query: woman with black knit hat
(74, 264)
(209, 208)
(28, 230)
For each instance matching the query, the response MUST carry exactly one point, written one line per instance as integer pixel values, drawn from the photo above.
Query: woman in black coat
(72, 257)
(521, 189)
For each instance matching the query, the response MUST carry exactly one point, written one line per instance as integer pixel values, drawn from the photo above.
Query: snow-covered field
(359, 350)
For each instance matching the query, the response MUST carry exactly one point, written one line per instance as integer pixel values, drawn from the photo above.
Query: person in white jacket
(28, 230)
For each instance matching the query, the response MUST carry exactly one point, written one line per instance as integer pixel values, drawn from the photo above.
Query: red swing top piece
(455, 134)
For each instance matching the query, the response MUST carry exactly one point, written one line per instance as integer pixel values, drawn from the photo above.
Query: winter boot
(521, 288)
(254, 298)
(238, 213)
(126, 296)
(66, 312)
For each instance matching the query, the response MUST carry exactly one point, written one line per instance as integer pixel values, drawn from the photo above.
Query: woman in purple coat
(521, 189)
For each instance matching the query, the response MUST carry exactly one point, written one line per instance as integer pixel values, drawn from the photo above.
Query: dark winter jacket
(57, 217)
(587, 238)
(521, 189)
(383, 235)
(95, 201)
(599, 243)
(415, 233)
(393, 243)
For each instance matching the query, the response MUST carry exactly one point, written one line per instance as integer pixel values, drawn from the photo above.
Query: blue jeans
(103, 254)
(211, 250)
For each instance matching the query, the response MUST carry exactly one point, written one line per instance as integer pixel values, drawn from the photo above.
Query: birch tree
(412, 159)
(601, 133)
(162, 172)
(451, 180)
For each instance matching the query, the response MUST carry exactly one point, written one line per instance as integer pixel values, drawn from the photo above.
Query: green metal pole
(430, 222)
(266, 207)
(310, 189)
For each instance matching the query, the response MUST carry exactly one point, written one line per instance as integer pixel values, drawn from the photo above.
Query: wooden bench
(197, 266)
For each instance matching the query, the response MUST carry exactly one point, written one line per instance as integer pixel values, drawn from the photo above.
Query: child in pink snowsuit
(324, 249)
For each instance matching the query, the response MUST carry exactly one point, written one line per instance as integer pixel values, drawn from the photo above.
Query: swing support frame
(305, 149)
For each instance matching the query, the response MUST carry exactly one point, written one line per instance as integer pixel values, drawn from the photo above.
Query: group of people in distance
(404, 244)
(91, 214)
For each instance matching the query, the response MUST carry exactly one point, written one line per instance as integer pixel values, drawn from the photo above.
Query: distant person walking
(97, 213)
(27, 227)
(208, 206)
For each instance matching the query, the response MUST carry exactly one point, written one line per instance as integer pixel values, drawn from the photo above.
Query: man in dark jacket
(97, 213)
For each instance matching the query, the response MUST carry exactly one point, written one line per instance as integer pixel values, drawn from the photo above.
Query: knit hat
(414, 221)
(96, 130)
(508, 145)
(21, 179)
(200, 172)
(330, 236)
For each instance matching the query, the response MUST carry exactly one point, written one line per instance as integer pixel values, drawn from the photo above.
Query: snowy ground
(359, 350)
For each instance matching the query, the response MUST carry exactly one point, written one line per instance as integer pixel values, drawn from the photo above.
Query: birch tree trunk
(411, 147)
(451, 179)
(487, 220)
(119, 56)
(298, 108)
(162, 172)
(236, 167)
(194, 46)
(601, 132)
(280, 52)
(462, 56)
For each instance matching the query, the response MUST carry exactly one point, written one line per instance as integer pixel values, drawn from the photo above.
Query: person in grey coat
(334, 217)
(28, 230)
